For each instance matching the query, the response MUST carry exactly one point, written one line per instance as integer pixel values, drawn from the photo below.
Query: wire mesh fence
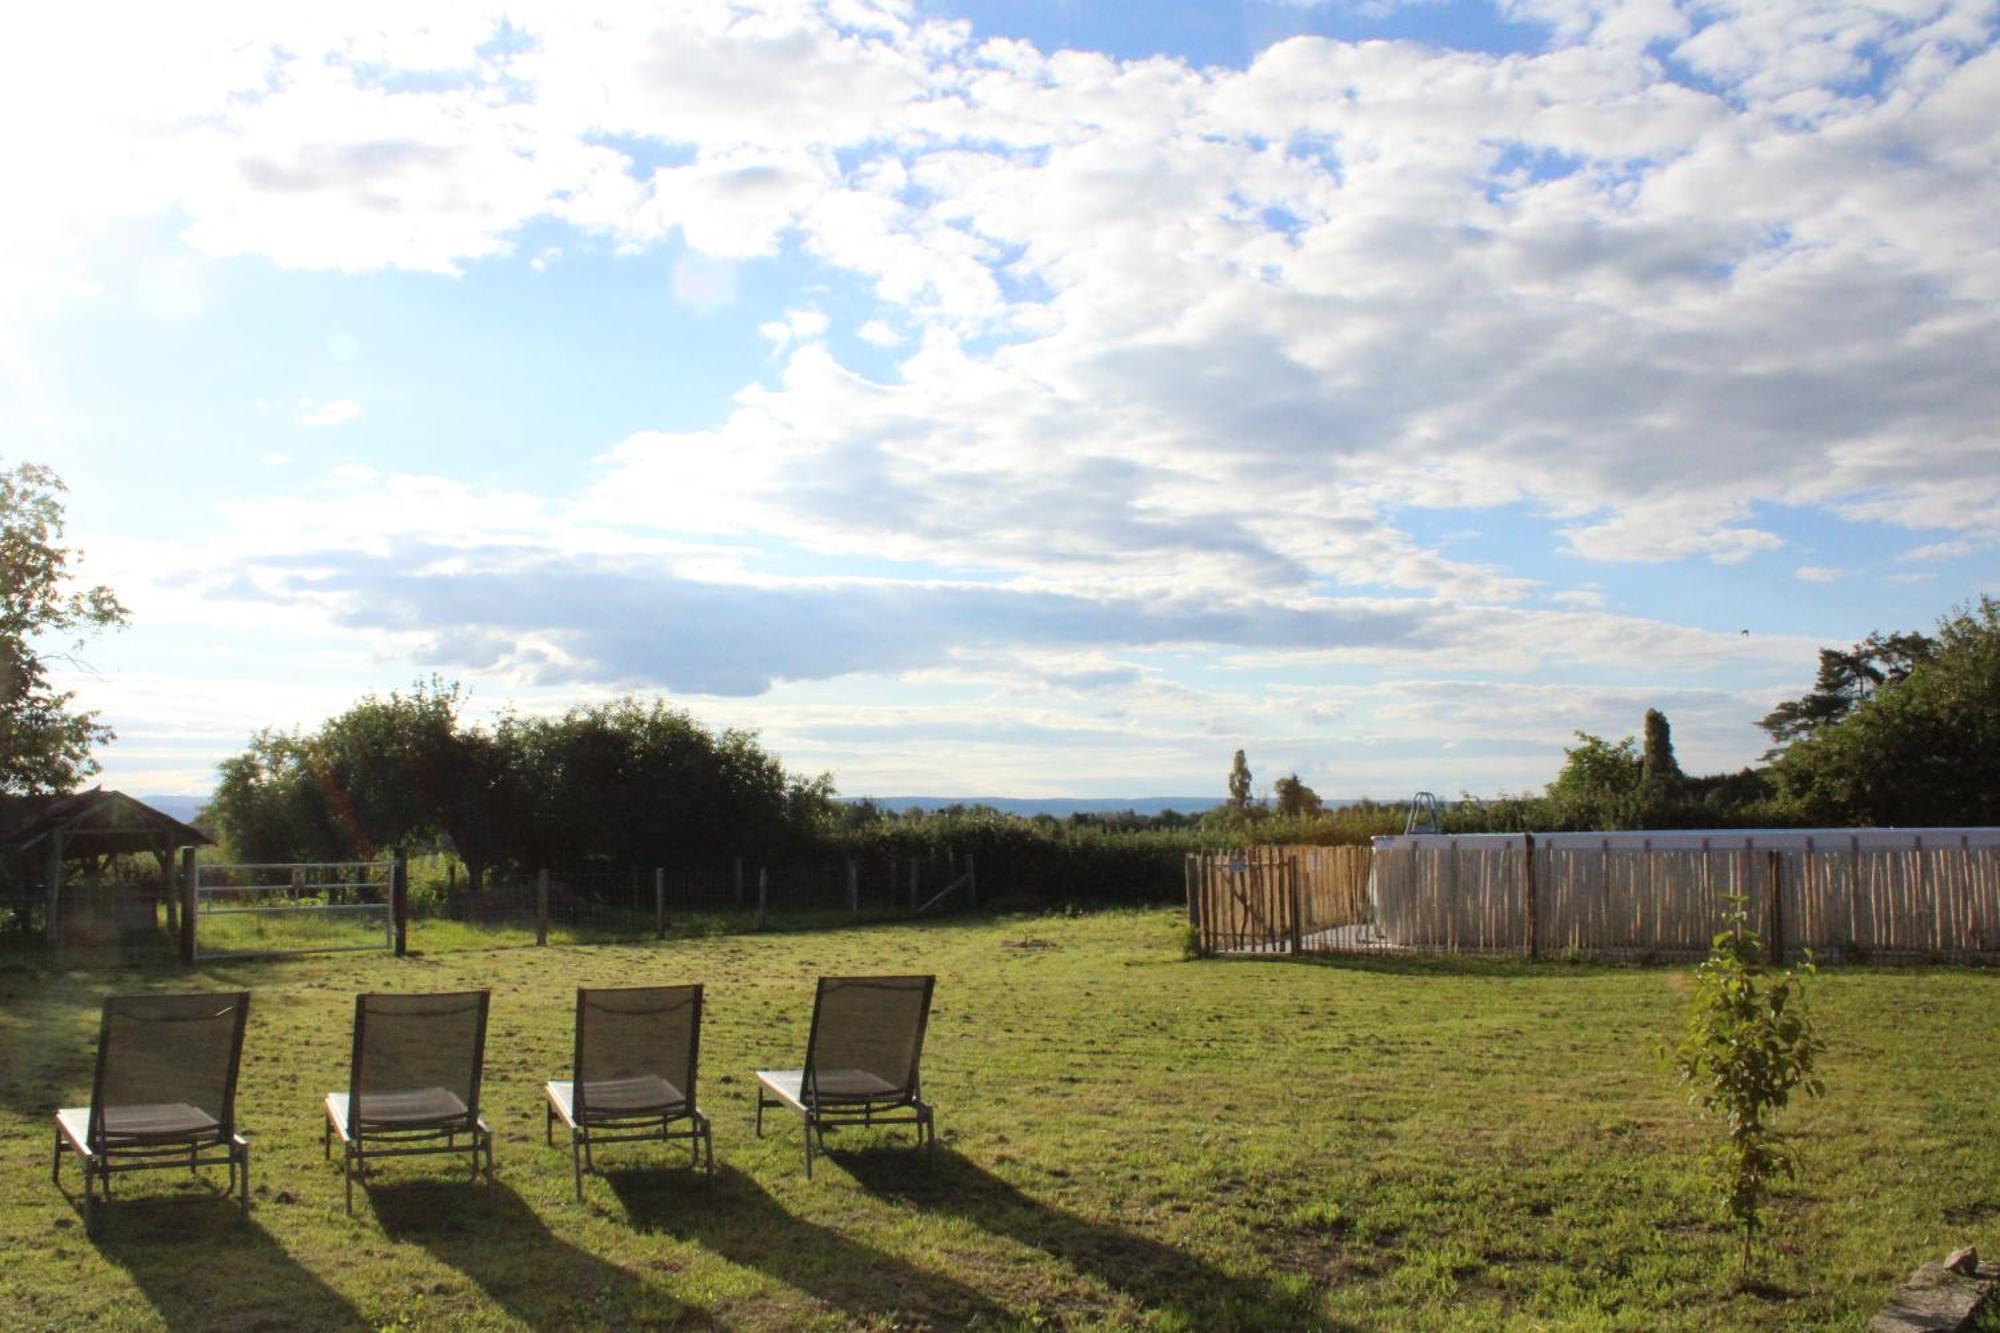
(634, 903)
(244, 910)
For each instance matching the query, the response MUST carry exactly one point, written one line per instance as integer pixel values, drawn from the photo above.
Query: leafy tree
(1922, 748)
(1598, 786)
(1747, 1046)
(45, 743)
(1847, 679)
(1239, 783)
(1658, 769)
(628, 783)
(1295, 800)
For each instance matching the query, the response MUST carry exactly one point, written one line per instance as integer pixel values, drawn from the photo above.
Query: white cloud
(337, 412)
(1818, 574)
(1939, 551)
(797, 326)
(1163, 332)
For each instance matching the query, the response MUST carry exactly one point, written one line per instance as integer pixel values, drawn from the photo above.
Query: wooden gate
(1245, 902)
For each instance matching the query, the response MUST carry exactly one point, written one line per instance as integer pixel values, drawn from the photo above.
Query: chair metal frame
(648, 1125)
(799, 1090)
(413, 1140)
(80, 1130)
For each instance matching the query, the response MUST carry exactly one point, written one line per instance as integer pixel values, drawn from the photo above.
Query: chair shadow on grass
(491, 1235)
(1155, 1275)
(739, 1221)
(201, 1264)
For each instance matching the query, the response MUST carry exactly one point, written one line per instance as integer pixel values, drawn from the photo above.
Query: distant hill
(1060, 806)
(183, 808)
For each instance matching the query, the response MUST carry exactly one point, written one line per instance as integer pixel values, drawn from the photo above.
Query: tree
(1922, 748)
(1295, 800)
(45, 743)
(1847, 679)
(1747, 1046)
(1239, 783)
(1658, 770)
(1595, 769)
(629, 783)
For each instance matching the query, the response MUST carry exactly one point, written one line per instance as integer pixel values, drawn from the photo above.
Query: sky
(1009, 397)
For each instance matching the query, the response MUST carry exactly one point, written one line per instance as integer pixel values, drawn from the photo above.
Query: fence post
(189, 892)
(739, 881)
(541, 907)
(763, 893)
(659, 902)
(1291, 864)
(853, 890)
(399, 900)
(971, 884)
(914, 875)
(1774, 910)
(1528, 893)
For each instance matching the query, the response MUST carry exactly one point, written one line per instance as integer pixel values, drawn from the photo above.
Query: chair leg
(548, 1123)
(55, 1162)
(760, 1115)
(245, 1151)
(347, 1175)
(326, 1137)
(89, 1201)
(576, 1163)
(807, 1126)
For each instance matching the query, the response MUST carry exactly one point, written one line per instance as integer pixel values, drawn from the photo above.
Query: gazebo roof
(92, 823)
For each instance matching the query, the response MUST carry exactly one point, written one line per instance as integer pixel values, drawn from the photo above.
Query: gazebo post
(55, 888)
(169, 887)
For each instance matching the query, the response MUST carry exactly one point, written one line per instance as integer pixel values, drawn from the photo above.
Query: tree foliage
(1747, 1046)
(1848, 678)
(1920, 747)
(1239, 783)
(1660, 775)
(1294, 799)
(45, 742)
(628, 783)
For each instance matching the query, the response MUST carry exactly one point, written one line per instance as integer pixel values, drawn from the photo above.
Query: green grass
(1129, 1140)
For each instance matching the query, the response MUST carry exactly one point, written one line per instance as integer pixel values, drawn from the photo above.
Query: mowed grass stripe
(1129, 1140)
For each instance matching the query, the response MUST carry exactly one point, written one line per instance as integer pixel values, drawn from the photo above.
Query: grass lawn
(1128, 1140)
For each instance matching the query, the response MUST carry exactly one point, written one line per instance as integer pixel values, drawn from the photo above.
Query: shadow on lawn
(1150, 1272)
(490, 1234)
(740, 1222)
(202, 1265)
(1487, 967)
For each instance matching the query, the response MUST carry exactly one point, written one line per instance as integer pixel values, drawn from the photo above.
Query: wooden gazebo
(42, 838)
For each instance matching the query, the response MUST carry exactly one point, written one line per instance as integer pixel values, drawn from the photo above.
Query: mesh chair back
(872, 1027)
(628, 1036)
(417, 1043)
(159, 1051)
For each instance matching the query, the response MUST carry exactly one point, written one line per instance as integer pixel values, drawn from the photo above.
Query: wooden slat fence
(1453, 895)
(1842, 894)
(1333, 887)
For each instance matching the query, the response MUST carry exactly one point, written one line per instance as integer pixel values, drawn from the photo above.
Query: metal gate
(257, 910)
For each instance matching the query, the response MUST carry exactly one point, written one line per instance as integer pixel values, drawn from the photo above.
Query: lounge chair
(634, 1071)
(413, 1083)
(862, 1061)
(164, 1093)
